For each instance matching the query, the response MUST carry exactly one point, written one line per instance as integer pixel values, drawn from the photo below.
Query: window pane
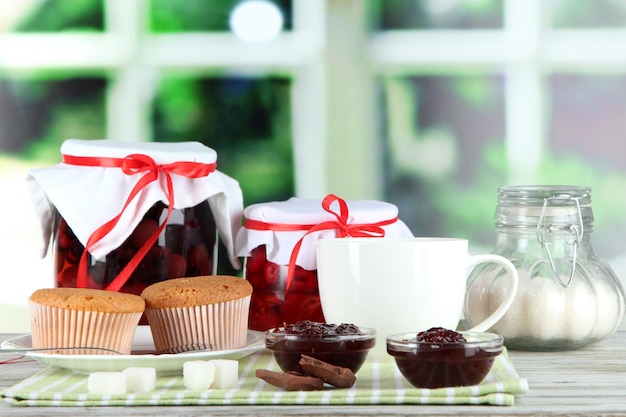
(246, 120)
(586, 140)
(36, 116)
(446, 153)
(201, 15)
(588, 118)
(588, 13)
(58, 15)
(437, 14)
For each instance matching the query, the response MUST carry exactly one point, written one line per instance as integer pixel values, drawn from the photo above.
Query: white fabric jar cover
(283, 225)
(89, 190)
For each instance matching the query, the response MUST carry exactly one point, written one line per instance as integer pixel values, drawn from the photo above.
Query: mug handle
(508, 300)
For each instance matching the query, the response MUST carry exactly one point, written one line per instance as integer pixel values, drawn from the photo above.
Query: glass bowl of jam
(439, 357)
(344, 345)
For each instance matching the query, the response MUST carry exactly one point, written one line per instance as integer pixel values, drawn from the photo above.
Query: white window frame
(523, 51)
(333, 63)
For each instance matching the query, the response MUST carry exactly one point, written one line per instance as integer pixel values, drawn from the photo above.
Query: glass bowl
(345, 350)
(437, 365)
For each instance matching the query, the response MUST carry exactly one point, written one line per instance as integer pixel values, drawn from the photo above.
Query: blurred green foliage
(64, 15)
(164, 16)
(588, 13)
(468, 110)
(167, 16)
(469, 209)
(37, 115)
(247, 121)
(407, 14)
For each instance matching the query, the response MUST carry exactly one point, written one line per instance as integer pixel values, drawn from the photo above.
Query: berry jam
(344, 345)
(308, 327)
(439, 335)
(271, 304)
(444, 358)
(184, 249)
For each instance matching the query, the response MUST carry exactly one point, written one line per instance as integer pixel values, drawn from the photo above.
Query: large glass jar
(124, 215)
(567, 297)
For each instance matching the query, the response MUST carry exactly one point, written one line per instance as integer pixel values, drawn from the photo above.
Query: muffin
(82, 317)
(206, 312)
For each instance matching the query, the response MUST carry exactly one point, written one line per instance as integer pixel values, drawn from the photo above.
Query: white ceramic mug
(401, 285)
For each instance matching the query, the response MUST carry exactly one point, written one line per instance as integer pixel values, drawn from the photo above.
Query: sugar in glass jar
(568, 297)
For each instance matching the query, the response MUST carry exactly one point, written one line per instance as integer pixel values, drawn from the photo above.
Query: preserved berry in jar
(186, 247)
(567, 297)
(272, 304)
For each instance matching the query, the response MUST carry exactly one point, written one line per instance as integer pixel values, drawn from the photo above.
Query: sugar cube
(106, 383)
(226, 373)
(198, 374)
(140, 379)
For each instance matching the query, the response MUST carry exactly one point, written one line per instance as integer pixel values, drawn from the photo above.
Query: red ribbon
(135, 164)
(344, 229)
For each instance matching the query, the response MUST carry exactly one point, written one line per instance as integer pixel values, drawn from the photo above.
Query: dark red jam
(309, 327)
(271, 304)
(185, 248)
(440, 335)
(344, 345)
(443, 358)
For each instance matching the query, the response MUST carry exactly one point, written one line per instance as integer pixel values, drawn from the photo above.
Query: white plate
(143, 345)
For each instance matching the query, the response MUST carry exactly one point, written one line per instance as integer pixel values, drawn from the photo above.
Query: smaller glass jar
(278, 241)
(567, 296)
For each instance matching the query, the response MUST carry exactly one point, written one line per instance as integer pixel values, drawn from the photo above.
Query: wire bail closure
(576, 229)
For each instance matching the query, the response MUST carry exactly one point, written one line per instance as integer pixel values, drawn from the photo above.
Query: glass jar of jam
(185, 248)
(278, 241)
(568, 297)
(125, 215)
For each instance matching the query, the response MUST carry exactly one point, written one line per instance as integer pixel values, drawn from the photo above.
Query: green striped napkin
(377, 383)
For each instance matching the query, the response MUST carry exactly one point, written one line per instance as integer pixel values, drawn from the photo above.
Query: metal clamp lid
(576, 229)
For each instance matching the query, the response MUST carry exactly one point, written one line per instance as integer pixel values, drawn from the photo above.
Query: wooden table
(589, 381)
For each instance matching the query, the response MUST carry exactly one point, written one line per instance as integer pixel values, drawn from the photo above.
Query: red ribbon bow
(132, 165)
(344, 228)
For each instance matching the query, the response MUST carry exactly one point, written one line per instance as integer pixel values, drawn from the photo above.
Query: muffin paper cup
(217, 326)
(53, 327)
